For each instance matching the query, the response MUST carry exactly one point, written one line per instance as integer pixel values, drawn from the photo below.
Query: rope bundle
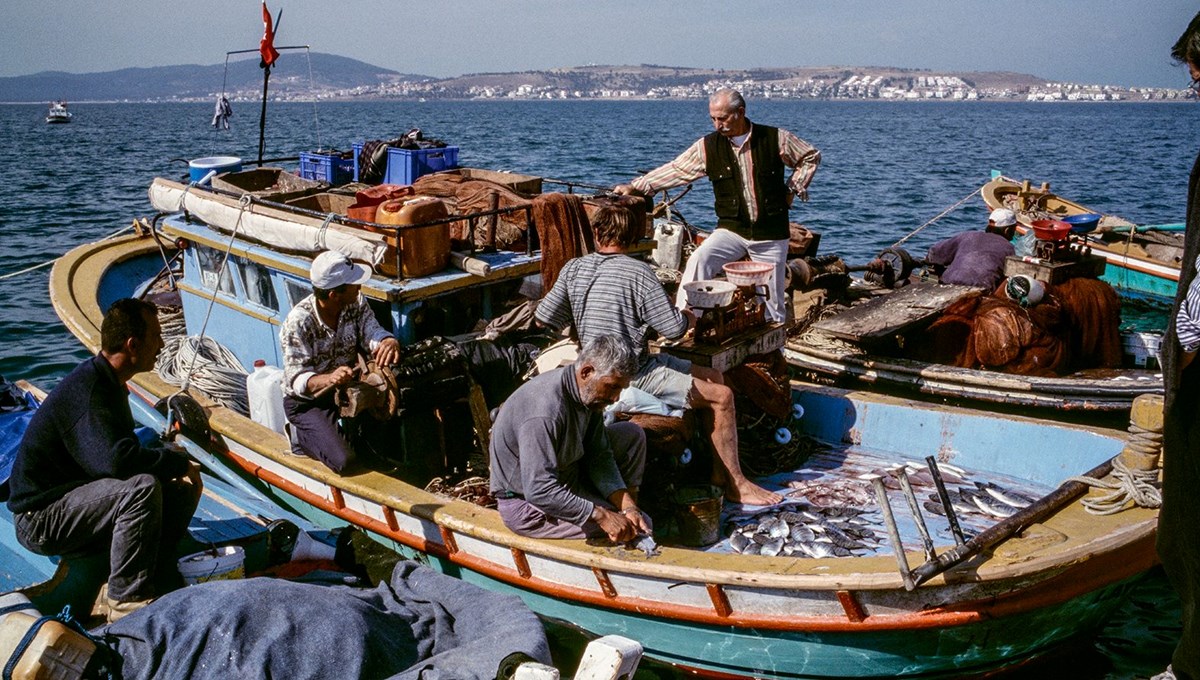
(209, 367)
(1126, 486)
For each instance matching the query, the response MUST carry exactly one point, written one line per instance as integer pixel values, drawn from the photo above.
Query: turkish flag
(266, 46)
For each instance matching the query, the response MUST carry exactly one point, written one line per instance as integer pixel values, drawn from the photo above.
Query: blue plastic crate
(327, 168)
(406, 165)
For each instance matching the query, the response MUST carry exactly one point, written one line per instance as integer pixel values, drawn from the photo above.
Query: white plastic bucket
(264, 389)
(219, 564)
(1142, 349)
(199, 167)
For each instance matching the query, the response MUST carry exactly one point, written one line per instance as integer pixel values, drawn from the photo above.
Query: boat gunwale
(77, 306)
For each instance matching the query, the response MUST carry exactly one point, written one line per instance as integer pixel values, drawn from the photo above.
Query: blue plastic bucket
(200, 167)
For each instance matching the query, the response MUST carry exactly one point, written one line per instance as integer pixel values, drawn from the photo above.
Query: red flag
(266, 46)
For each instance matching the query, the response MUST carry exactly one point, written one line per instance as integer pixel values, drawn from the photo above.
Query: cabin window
(211, 270)
(257, 279)
(296, 291)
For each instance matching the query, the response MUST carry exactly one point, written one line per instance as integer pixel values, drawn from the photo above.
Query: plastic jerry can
(264, 389)
(422, 250)
(56, 652)
(668, 237)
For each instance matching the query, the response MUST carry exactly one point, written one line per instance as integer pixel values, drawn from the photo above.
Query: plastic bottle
(264, 388)
(668, 237)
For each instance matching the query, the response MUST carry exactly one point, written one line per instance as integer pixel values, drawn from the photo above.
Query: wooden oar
(1005, 529)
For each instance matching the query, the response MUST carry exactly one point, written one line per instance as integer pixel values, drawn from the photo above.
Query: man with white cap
(322, 338)
(973, 258)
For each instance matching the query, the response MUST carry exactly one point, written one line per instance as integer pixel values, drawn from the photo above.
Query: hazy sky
(1115, 42)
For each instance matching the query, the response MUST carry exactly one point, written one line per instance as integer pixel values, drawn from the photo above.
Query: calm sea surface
(888, 168)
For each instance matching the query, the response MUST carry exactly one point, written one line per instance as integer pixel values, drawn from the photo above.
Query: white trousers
(724, 246)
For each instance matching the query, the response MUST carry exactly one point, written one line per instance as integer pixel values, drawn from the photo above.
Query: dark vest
(770, 186)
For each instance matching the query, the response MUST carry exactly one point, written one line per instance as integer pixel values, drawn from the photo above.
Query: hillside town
(821, 86)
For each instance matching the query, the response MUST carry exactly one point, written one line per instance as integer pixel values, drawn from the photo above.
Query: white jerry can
(669, 239)
(264, 390)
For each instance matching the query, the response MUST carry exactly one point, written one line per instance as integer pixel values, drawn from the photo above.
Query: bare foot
(751, 494)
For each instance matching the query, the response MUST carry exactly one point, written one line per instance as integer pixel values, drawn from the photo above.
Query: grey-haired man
(556, 470)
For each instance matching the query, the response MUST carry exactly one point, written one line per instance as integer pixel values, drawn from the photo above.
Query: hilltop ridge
(332, 77)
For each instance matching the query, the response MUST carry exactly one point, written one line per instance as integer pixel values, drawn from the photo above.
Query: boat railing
(472, 218)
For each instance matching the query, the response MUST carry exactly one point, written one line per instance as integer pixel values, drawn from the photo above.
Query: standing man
(556, 470)
(1178, 546)
(746, 164)
(82, 483)
(322, 338)
(609, 293)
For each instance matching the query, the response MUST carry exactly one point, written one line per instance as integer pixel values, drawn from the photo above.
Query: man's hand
(387, 352)
(626, 190)
(319, 384)
(618, 527)
(638, 519)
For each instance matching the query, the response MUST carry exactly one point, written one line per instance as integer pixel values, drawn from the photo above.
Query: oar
(1005, 529)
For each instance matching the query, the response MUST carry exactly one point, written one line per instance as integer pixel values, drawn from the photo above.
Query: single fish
(801, 533)
(772, 548)
(738, 541)
(646, 544)
(991, 506)
(1006, 496)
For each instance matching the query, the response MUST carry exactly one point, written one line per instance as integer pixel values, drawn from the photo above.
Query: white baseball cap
(1003, 217)
(331, 269)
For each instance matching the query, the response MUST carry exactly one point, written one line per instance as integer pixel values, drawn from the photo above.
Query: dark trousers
(138, 520)
(315, 431)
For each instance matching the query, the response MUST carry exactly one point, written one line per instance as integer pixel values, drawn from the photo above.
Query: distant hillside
(341, 78)
(289, 78)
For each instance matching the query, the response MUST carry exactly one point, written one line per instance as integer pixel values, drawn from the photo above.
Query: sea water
(888, 168)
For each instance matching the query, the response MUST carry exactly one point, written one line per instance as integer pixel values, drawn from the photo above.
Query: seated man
(322, 337)
(81, 481)
(609, 293)
(556, 470)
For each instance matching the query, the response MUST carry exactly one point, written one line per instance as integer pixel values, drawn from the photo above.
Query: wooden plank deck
(886, 316)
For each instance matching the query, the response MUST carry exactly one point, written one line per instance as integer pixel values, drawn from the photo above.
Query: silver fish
(801, 533)
(646, 544)
(738, 541)
(1006, 496)
(990, 506)
(772, 547)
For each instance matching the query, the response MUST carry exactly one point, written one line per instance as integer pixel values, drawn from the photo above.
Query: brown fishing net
(563, 231)
(1076, 326)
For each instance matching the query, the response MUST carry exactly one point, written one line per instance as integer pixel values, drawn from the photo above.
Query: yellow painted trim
(225, 300)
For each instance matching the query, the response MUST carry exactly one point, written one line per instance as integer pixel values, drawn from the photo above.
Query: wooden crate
(1090, 266)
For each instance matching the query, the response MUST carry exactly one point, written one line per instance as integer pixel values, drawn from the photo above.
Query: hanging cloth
(221, 113)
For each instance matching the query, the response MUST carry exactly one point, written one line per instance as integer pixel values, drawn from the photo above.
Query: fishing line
(939, 216)
(47, 263)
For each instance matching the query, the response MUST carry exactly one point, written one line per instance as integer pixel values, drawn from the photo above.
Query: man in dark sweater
(82, 483)
(970, 258)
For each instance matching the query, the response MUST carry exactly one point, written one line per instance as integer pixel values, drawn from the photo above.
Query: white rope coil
(1127, 487)
(210, 368)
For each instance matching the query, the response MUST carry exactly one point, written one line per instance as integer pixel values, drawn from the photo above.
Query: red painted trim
(389, 516)
(1099, 571)
(852, 606)
(521, 562)
(339, 501)
(719, 599)
(606, 585)
(447, 539)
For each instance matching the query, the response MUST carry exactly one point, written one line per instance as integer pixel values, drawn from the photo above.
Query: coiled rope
(939, 216)
(1127, 487)
(213, 369)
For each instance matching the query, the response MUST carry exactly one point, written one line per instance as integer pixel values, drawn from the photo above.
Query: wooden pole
(262, 116)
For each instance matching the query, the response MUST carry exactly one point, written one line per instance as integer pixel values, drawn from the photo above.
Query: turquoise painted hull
(1139, 285)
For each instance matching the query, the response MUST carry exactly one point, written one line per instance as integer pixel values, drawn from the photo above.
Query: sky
(1109, 42)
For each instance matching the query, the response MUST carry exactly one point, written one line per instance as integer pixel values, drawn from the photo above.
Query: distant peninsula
(301, 77)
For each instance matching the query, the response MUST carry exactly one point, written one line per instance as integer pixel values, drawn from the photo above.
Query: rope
(939, 216)
(1126, 487)
(47, 263)
(208, 366)
(320, 244)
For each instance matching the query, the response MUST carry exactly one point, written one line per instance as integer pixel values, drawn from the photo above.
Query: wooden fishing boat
(1143, 260)
(711, 611)
(858, 346)
(239, 532)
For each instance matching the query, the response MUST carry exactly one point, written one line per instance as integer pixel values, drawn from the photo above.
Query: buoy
(783, 435)
(686, 456)
(797, 411)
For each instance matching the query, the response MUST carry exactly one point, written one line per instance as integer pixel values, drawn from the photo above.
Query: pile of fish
(803, 530)
(837, 517)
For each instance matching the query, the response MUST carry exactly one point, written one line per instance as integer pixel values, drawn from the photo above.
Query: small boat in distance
(1143, 260)
(58, 113)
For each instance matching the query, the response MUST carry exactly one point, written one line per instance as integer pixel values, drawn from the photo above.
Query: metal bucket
(698, 514)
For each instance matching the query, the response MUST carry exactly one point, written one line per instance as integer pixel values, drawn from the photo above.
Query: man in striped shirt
(609, 293)
(746, 164)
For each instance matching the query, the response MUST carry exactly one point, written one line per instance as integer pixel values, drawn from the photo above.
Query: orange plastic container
(423, 250)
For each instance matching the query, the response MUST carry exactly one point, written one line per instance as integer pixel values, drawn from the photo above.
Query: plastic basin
(1082, 223)
(709, 294)
(199, 167)
(1050, 230)
(748, 273)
